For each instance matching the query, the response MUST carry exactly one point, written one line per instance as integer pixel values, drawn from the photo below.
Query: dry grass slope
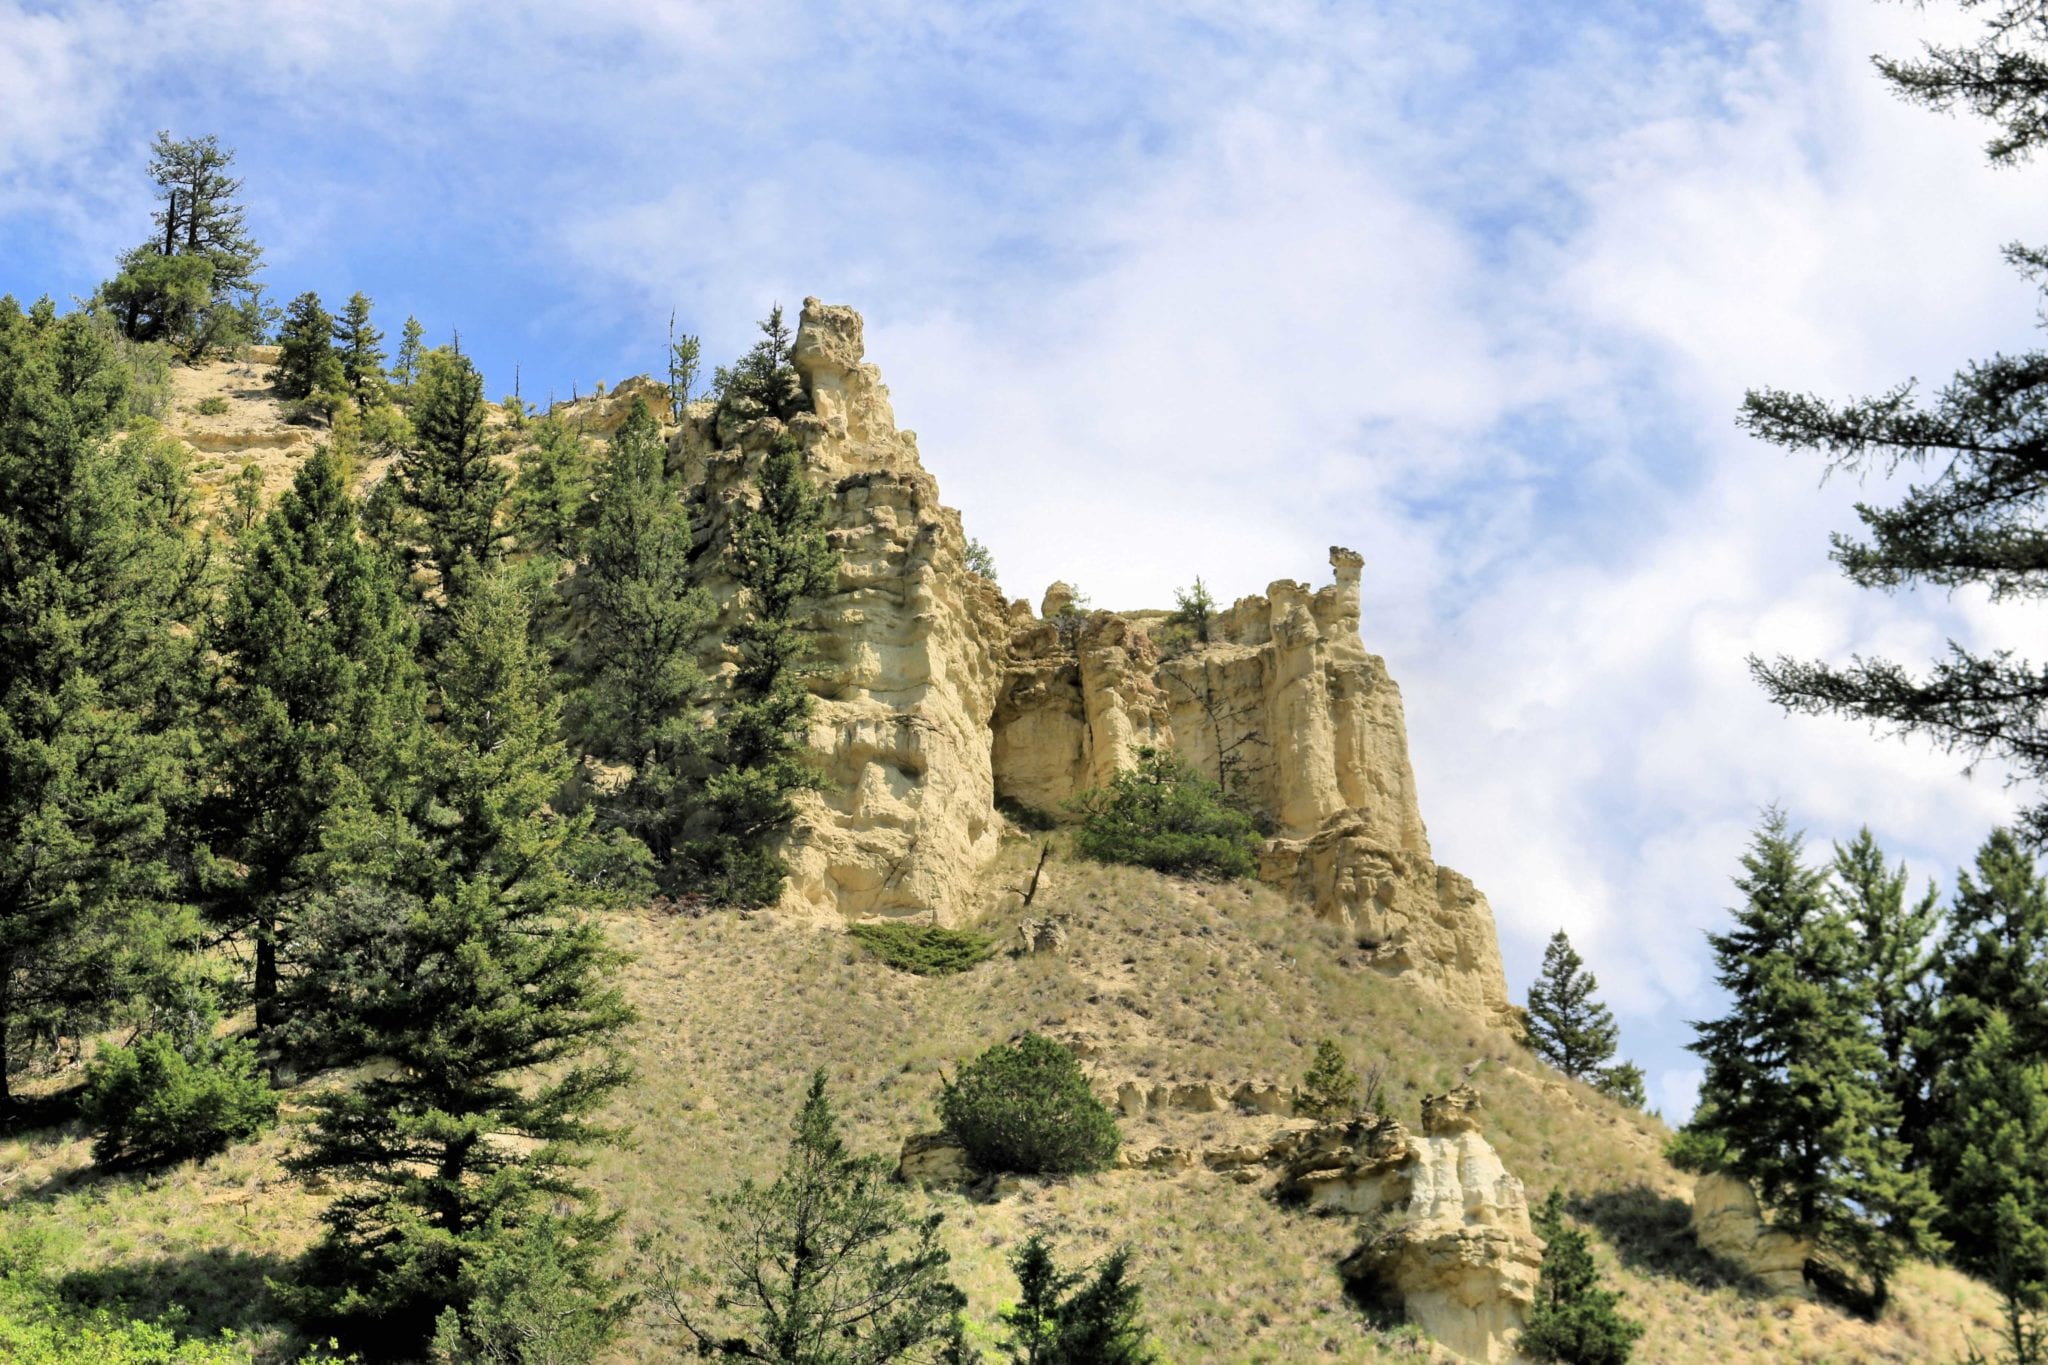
(1163, 979)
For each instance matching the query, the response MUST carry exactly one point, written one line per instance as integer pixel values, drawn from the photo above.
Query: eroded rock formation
(936, 699)
(1727, 1221)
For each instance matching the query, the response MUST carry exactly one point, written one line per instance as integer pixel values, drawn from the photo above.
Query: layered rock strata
(1727, 1221)
(936, 700)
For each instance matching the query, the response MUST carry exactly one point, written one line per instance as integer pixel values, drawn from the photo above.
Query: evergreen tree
(1978, 519)
(824, 1267)
(359, 346)
(780, 555)
(1330, 1088)
(412, 346)
(306, 363)
(684, 354)
(1073, 1317)
(1895, 956)
(763, 382)
(1994, 1208)
(1792, 1096)
(550, 496)
(450, 483)
(448, 947)
(1623, 1083)
(101, 579)
(321, 698)
(1568, 1028)
(193, 282)
(1993, 957)
(638, 655)
(1574, 1317)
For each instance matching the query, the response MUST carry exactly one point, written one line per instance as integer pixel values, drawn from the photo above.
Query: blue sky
(1472, 286)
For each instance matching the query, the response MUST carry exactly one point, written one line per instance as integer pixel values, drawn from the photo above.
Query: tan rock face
(1727, 1221)
(936, 698)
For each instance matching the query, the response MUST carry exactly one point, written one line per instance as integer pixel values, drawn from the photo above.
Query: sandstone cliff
(936, 700)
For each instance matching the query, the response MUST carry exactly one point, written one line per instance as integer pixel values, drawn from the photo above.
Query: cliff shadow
(1652, 1234)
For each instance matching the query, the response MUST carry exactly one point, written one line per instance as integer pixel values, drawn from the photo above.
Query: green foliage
(449, 947)
(1074, 1317)
(1330, 1087)
(529, 1303)
(450, 486)
(1164, 815)
(412, 348)
(1622, 1083)
(306, 363)
(38, 1328)
(924, 949)
(780, 555)
(1895, 962)
(980, 560)
(550, 496)
(192, 284)
(1194, 610)
(321, 702)
(169, 1097)
(1027, 1107)
(1697, 1149)
(685, 353)
(1574, 1318)
(827, 1266)
(1994, 1207)
(637, 660)
(213, 406)
(763, 382)
(100, 586)
(1568, 1027)
(359, 347)
(1795, 1089)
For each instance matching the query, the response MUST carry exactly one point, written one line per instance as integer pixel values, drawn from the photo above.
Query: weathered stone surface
(1454, 1245)
(1046, 935)
(1357, 1166)
(933, 1159)
(935, 697)
(1727, 1221)
(1449, 1114)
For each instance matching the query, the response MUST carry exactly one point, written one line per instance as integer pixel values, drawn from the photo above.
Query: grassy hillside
(1162, 979)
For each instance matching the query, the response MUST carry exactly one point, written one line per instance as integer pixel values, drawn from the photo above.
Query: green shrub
(1696, 1152)
(1330, 1088)
(156, 1101)
(1073, 1317)
(925, 949)
(1027, 1107)
(1164, 815)
(213, 405)
(38, 1328)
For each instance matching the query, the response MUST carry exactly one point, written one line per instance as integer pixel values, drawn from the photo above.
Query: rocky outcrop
(935, 699)
(1448, 1237)
(934, 1159)
(1727, 1221)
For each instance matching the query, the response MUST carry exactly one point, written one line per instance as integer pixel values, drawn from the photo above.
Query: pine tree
(412, 345)
(193, 282)
(448, 946)
(780, 555)
(1977, 520)
(763, 382)
(1330, 1088)
(320, 697)
(1574, 1317)
(306, 363)
(1994, 1208)
(1895, 956)
(1623, 1083)
(1993, 957)
(450, 481)
(1074, 1317)
(550, 495)
(1792, 1094)
(360, 348)
(638, 655)
(684, 354)
(101, 580)
(1568, 1028)
(824, 1267)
